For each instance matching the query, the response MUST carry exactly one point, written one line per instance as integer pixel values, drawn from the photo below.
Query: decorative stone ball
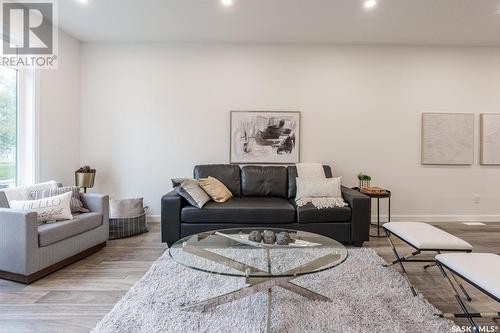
(269, 237)
(255, 236)
(283, 238)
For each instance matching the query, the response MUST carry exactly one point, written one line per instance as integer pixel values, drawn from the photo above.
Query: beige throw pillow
(126, 208)
(215, 189)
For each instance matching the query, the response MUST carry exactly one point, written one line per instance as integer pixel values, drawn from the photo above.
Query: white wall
(150, 112)
(58, 93)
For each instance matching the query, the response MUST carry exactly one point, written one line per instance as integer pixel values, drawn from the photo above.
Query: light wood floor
(78, 296)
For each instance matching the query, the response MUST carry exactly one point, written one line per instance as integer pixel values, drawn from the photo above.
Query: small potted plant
(364, 181)
(85, 177)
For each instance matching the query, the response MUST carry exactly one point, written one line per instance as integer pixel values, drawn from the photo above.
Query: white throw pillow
(22, 192)
(48, 209)
(318, 187)
(320, 192)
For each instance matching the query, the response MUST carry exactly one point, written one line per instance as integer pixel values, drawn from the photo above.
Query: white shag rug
(366, 298)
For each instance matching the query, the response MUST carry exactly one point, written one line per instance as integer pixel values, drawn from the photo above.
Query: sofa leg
(358, 243)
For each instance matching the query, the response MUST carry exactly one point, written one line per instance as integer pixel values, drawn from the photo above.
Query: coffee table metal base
(259, 284)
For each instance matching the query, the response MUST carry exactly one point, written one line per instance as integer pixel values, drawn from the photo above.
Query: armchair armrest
(171, 205)
(361, 214)
(4, 203)
(97, 203)
(18, 239)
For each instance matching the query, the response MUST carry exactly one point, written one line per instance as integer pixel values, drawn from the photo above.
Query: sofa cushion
(259, 181)
(292, 174)
(242, 210)
(54, 232)
(229, 175)
(311, 214)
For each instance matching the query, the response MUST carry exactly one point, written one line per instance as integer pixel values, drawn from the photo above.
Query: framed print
(263, 137)
(490, 138)
(448, 138)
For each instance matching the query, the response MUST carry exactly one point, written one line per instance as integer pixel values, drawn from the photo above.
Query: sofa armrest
(171, 205)
(361, 214)
(18, 239)
(97, 203)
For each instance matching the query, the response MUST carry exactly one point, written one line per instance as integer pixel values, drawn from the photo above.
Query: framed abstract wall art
(448, 138)
(490, 138)
(263, 137)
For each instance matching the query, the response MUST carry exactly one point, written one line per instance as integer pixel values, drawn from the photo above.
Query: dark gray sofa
(264, 196)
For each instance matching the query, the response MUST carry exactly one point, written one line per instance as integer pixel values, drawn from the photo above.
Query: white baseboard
(412, 218)
(153, 218)
(438, 218)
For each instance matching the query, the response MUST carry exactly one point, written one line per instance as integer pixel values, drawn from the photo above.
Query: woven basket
(126, 227)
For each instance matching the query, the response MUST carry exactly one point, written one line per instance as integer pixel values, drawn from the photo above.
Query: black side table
(386, 195)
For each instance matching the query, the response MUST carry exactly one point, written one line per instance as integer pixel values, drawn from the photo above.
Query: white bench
(481, 270)
(423, 237)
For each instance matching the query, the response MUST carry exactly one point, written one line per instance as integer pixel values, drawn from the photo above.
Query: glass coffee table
(228, 252)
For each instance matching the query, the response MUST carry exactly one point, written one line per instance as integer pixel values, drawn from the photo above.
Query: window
(8, 126)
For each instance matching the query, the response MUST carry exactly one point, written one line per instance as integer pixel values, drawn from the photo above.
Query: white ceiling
(408, 22)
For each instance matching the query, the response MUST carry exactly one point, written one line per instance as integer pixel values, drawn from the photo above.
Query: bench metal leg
(403, 258)
(461, 287)
(405, 275)
(459, 300)
(430, 265)
(464, 292)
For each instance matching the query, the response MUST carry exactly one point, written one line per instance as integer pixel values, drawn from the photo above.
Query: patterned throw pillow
(215, 189)
(190, 190)
(48, 209)
(76, 202)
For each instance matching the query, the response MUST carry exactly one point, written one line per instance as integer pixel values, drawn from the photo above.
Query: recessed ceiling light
(227, 2)
(370, 4)
(83, 1)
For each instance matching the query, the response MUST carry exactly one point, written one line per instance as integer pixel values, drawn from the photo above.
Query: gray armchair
(28, 252)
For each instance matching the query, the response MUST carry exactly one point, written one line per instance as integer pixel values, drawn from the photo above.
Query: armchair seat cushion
(264, 210)
(311, 214)
(54, 232)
